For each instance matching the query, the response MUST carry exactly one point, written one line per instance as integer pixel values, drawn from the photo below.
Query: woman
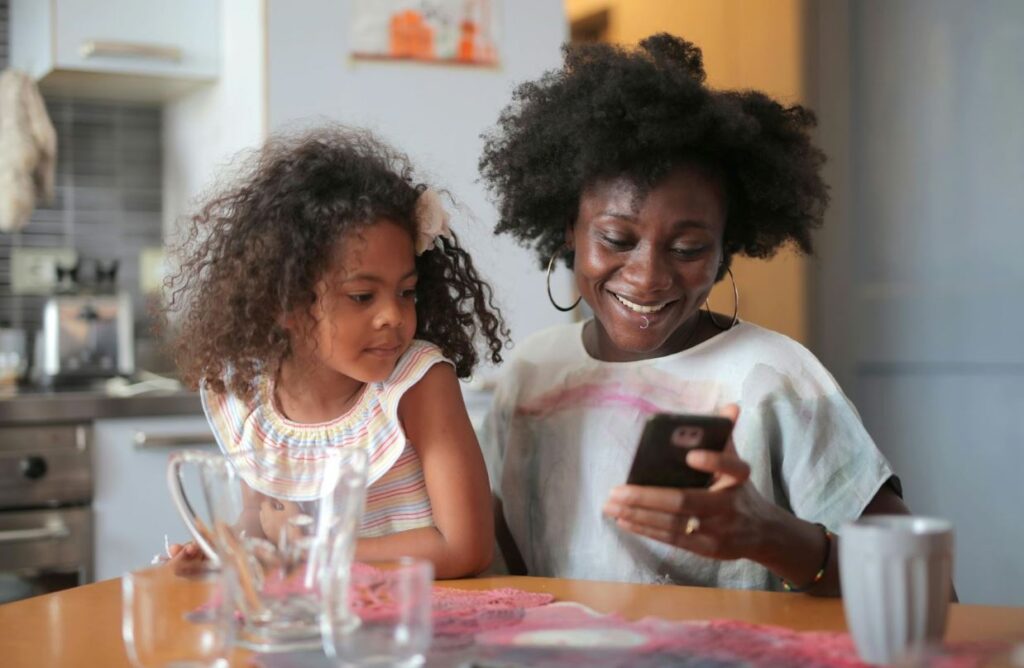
(646, 182)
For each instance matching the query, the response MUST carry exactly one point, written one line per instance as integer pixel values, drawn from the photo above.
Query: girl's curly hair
(255, 251)
(639, 113)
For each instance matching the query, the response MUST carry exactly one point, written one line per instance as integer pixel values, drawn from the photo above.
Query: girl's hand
(728, 520)
(186, 559)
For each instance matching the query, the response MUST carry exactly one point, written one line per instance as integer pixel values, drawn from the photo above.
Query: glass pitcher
(281, 517)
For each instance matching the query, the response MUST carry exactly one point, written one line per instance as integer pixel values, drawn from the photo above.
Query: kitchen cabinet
(132, 506)
(46, 525)
(124, 49)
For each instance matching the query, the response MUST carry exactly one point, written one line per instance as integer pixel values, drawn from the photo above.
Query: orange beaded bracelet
(824, 564)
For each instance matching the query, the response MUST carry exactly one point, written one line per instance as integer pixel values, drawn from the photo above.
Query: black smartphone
(660, 459)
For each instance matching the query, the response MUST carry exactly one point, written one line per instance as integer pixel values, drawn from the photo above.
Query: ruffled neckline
(267, 401)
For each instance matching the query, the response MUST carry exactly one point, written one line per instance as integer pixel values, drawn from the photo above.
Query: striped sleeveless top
(396, 493)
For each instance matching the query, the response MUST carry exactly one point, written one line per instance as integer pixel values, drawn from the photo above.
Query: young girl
(324, 300)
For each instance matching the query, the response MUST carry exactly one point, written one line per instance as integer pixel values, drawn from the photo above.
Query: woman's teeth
(638, 308)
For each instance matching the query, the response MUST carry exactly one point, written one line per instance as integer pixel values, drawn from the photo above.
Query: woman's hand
(728, 520)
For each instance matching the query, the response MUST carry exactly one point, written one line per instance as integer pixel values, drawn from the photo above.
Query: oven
(46, 523)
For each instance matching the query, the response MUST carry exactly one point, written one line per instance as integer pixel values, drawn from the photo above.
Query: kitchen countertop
(33, 405)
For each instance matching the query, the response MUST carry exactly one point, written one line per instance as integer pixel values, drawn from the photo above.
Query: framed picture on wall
(449, 32)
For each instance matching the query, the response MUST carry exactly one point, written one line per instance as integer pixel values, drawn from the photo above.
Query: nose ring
(646, 323)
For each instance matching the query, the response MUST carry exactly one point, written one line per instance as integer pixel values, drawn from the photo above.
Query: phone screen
(660, 459)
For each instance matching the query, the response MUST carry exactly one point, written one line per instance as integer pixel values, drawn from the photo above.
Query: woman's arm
(793, 537)
(514, 561)
(436, 423)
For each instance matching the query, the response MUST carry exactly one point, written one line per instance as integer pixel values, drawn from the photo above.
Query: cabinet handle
(105, 48)
(144, 441)
(55, 531)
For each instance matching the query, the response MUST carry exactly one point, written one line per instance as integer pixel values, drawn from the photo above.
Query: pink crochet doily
(456, 612)
(514, 627)
(568, 634)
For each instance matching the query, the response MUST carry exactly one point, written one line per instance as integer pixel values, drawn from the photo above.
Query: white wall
(919, 276)
(435, 113)
(205, 129)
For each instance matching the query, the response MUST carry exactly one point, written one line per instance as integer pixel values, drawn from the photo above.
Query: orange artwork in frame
(451, 32)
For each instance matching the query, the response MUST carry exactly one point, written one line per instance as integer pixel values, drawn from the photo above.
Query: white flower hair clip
(431, 221)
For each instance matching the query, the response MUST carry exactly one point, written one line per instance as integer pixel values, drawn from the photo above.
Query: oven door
(44, 550)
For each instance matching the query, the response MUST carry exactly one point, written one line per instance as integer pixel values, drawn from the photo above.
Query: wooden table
(81, 626)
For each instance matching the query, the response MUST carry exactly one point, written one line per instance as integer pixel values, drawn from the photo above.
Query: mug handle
(176, 484)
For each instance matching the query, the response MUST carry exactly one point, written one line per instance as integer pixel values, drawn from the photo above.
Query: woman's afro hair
(639, 113)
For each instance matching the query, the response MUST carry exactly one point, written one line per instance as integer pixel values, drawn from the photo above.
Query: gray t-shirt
(564, 427)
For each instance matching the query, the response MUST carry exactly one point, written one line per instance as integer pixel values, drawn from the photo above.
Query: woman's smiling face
(647, 254)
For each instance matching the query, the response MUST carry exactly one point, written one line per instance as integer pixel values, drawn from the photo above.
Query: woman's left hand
(728, 520)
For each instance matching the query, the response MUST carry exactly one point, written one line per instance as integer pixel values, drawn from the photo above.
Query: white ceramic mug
(896, 574)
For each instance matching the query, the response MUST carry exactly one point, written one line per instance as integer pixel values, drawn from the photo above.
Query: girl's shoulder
(411, 367)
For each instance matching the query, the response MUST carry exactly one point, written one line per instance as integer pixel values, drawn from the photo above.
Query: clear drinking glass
(379, 613)
(176, 621)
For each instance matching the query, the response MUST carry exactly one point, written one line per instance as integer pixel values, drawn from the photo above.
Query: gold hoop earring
(736, 307)
(563, 309)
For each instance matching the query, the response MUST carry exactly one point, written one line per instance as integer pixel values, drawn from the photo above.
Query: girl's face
(274, 516)
(652, 255)
(364, 317)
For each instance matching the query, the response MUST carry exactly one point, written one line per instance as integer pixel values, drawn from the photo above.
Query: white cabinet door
(156, 37)
(161, 38)
(132, 506)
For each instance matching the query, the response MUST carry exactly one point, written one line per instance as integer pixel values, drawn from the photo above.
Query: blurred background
(912, 299)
